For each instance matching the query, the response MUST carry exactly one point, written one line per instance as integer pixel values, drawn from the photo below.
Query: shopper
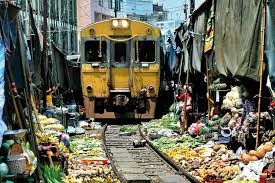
(186, 97)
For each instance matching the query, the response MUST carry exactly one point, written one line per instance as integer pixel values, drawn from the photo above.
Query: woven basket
(16, 164)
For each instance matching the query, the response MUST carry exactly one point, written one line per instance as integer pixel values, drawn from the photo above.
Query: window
(118, 5)
(100, 2)
(110, 4)
(120, 52)
(92, 51)
(146, 51)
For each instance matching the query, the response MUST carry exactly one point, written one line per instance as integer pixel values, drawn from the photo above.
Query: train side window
(120, 52)
(146, 51)
(92, 51)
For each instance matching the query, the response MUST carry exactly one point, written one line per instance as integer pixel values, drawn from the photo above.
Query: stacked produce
(52, 173)
(175, 143)
(207, 163)
(166, 126)
(233, 99)
(88, 162)
(258, 154)
(51, 125)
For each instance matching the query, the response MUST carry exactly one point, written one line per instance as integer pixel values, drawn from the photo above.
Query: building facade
(138, 9)
(90, 11)
(62, 22)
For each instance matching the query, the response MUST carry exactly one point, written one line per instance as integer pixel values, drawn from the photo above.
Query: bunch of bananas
(62, 148)
(46, 138)
(57, 127)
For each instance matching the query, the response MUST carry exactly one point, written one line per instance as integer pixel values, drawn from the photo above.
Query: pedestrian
(186, 97)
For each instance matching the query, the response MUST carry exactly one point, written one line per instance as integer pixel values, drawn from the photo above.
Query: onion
(267, 147)
(246, 158)
(260, 153)
(252, 153)
(254, 158)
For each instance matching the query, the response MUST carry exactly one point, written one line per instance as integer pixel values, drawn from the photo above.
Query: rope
(119, 40)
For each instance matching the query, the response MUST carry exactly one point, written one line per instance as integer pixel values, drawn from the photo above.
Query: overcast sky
(175, 7)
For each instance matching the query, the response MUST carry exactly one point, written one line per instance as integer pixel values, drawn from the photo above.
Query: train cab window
(146, 51)
(92, 51)
(120, 52)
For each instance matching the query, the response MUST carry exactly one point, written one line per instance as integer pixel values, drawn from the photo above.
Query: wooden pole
(18, 117)
(44, 65)
(261, 60)
(208, 91)
(185, 100)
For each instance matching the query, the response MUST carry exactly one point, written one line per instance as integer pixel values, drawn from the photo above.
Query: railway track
(139, 164)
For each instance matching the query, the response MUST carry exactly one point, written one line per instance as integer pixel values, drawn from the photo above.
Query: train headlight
(120, 23)
(115, 23)
(124, 23)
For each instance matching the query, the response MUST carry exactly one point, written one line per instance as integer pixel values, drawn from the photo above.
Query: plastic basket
(16, 164)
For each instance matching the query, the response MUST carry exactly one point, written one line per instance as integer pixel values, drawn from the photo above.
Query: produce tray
(16, 133)
(88, 161)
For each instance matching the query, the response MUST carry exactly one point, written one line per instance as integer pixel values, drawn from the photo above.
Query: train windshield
(93, 52)
(146, 51)
(120, 52)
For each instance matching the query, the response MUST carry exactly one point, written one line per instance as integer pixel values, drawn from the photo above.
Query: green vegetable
(127, 129)
(3, 169)
(52, 174)
(215, 117)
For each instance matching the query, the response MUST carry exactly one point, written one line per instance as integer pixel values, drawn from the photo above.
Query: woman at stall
(186, 97)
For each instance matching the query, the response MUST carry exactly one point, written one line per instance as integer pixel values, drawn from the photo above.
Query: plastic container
(16, 164)
(71, 108)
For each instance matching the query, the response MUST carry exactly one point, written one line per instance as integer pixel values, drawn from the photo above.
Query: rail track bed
(140, 164)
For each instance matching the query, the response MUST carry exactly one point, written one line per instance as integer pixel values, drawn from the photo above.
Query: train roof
(136, 27)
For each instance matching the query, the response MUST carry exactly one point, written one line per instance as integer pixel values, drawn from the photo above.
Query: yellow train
(120, 69)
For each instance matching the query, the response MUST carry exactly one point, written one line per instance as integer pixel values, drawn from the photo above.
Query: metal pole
(261, 60)
(115, 8)
(192, 6)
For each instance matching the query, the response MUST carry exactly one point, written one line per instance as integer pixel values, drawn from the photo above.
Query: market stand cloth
(237, 28)
(197, 42)
(270, 41)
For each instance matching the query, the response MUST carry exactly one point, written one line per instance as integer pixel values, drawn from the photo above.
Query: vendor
(49, 98)
(215, 110)
(186, 97)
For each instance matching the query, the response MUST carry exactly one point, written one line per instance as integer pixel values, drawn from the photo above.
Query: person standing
(186, 97)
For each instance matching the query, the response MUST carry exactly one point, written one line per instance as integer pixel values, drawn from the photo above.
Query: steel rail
(171, 162)
(118, 174)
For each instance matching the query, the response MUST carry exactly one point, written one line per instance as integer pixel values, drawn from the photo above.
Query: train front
(120, 72)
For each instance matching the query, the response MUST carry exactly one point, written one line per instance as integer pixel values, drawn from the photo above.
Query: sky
(175, 7)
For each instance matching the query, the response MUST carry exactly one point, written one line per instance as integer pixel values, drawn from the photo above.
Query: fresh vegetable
(128, 129)
(4, 170)
(51, 174)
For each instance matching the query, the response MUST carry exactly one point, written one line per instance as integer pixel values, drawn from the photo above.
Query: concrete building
(90, 11)
(159, 14)
(62, 22)
(138, 9)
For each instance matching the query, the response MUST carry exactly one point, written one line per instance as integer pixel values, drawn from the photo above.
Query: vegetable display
(51, 174)
(88, 162)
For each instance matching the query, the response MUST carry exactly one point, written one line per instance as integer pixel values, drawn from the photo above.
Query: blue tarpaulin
(3, 126)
